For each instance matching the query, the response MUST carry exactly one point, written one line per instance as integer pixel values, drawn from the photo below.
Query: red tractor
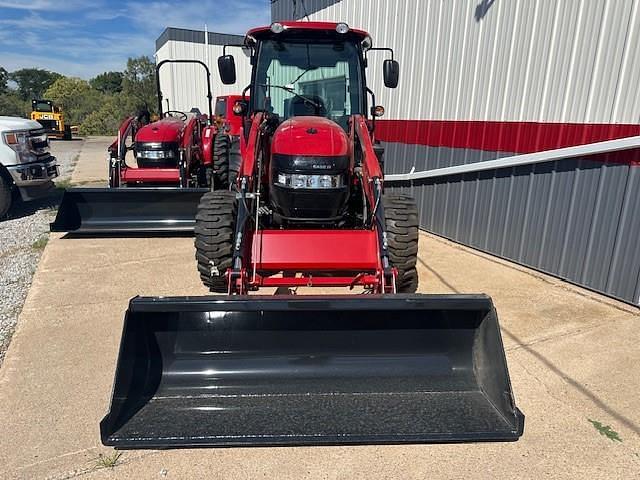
(175, 160)
(309, 209)
(169, 152)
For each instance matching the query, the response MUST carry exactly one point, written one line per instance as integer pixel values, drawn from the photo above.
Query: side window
(221, 107)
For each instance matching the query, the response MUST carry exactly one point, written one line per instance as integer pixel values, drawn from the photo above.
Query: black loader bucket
(220, 371)
(127, 210)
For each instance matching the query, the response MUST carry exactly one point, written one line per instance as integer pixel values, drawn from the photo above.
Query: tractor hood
(310, 136)
(163, 131)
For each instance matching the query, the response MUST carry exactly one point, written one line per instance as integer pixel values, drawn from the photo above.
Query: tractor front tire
(214, 233)
(401, 218)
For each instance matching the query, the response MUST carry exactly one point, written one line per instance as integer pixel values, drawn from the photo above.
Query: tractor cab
(308, 69)
(309, 85)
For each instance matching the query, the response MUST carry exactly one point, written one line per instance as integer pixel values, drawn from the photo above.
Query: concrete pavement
(572, 357)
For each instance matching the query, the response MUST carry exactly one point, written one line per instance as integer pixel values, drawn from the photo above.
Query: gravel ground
(23, 236)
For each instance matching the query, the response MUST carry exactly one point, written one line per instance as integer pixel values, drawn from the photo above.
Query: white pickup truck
(26, 165)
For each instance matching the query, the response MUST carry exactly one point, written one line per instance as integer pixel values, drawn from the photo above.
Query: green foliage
(32, 82)
(97, 106)
(13, 106)
(139, 84)
(4, 78)
(605, 430)
(107, 82)
(76, 98)
(106, 119)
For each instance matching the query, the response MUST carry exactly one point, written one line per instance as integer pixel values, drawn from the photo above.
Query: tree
(107, 82)
(107, 119)
(13, 106)
(76, 98)
(32, 82)
(4, 78)
(139, 84)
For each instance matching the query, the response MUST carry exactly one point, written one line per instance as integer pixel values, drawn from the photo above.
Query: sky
(83, 38)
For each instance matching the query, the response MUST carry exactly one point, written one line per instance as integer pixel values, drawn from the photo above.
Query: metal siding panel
(624, 274)
(515, 218)
(482, 208)
(539, 204)
(605, 226)
(559, 210)
(579, 222)
(497, 218)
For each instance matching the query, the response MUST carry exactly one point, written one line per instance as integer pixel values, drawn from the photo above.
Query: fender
(208, 136)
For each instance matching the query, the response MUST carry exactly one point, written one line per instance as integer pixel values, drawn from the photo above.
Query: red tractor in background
(175, 160)
(174, 151)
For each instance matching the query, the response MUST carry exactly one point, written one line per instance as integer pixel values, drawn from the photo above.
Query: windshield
(42, 107)
(296, 78)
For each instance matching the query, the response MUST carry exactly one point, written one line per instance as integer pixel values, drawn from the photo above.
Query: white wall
(504, 60)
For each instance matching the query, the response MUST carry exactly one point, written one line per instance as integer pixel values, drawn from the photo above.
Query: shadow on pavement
(21, 209)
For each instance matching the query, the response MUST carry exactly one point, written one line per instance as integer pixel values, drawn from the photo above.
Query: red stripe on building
(512, 137)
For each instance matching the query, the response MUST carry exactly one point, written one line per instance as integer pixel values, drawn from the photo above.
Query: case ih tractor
(157, 173)
(309, 209)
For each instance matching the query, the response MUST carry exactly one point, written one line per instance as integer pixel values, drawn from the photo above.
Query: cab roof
(311, 27)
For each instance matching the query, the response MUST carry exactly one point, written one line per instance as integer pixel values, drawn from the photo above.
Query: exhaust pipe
(222, 371)
(97, 211)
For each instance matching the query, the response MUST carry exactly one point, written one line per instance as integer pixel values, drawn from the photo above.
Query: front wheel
(214, 233)
(401, 218)
(5, 197)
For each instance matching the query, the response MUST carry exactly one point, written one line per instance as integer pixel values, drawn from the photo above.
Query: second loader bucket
(221, 371)
(127, 210)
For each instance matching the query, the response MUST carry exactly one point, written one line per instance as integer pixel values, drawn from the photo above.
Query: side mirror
(391, 71)
(377, 111)
(227, 69)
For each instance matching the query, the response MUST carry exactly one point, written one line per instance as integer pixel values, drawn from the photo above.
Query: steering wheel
(176, 113)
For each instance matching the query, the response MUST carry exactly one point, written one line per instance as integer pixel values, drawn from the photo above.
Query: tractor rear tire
(226, 160)
(214, 233)
(401, 218)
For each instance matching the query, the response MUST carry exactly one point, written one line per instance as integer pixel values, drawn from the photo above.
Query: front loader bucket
(127, 210)
(196, 371)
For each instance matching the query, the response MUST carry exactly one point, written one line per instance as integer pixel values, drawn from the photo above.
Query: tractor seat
(299, 107)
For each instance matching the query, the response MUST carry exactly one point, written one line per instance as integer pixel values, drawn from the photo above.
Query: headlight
(156, 154)
(297, 180)
(18, 141)
(15, 139)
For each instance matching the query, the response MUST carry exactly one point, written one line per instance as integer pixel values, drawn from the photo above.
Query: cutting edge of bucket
(69, 218)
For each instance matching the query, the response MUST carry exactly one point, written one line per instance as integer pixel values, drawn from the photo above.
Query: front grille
(39, 141)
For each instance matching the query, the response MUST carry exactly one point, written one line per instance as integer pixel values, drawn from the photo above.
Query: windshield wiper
(293, 92)
(305, 71)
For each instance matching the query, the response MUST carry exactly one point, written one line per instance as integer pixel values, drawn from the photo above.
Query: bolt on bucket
(127, 210)
(220, 371)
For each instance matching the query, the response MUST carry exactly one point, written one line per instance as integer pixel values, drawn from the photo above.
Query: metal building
(489, 79)
(183, 86)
